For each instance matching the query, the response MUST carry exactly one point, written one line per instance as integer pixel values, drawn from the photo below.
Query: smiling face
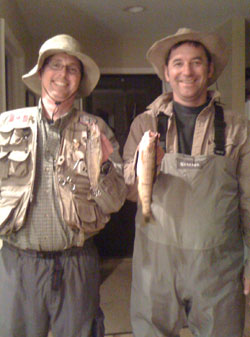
(60, 77)
(188, 71)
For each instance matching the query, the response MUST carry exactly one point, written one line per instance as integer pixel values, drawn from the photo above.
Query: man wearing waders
(49, 212)
(188, 260)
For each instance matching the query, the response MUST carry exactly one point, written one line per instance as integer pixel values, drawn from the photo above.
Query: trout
(94, 156)
(146, 170)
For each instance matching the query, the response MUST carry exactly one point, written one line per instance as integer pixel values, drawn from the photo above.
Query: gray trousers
(34, 297)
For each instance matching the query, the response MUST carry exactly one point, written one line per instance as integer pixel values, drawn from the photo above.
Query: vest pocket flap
(18, 156)
(5, 213)
(11, 203)
(92, 220)
(20, 135)
(15, 140)
(14, 164)
(3, 154)
(8, 202)
(5, 138)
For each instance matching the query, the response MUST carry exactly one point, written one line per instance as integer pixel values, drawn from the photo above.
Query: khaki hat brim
(158, 52)
(90, 78)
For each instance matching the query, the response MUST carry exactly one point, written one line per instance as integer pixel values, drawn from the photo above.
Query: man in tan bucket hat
(188, 257)
(61, 177)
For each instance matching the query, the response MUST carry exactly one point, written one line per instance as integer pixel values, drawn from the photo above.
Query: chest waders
(187, 265)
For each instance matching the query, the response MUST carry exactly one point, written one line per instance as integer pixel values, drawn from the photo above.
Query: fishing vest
(18, 139)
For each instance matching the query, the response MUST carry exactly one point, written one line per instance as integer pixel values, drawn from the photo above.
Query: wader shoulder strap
(162, 127)
(219, 131)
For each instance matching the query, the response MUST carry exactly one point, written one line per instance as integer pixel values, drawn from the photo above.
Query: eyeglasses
(58, 66)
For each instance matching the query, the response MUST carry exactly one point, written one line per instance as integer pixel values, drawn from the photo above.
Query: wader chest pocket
(14, 152)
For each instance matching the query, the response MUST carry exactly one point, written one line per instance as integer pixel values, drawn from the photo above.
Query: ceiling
(105, 19)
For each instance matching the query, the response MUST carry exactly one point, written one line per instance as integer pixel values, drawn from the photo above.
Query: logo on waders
(190, 163)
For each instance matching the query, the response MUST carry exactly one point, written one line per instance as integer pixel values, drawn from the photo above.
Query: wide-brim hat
(64, 44)
(216, 46)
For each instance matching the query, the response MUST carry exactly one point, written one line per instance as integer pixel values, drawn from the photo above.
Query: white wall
(10, 12)
(231, 84)
(238, 65)
(2, 65)
(16, 39)
(247, 40)
(130, 55)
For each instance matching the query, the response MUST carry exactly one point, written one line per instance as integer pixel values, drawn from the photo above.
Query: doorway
(118, 99)
(12, 93)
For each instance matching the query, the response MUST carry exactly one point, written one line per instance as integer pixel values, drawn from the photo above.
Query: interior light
(134, 9)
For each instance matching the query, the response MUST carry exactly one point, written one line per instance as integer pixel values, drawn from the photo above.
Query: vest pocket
(14, 164)
(10, 204)
(86, 212)
(18, 166)
(14, 152)
(16, 169)
(5, 137)
(79, 212)
(90, 218)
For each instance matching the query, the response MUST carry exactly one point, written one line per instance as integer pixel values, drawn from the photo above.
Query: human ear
(166, 73)
(40, 74)
(210, 70)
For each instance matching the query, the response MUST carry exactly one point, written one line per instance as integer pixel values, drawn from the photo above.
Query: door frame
(10, 45)
(2, 67)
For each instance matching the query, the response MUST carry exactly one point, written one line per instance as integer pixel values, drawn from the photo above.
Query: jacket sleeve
(243, 172)
(111, 186)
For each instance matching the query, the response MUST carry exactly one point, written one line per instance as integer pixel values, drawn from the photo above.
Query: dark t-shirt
(185, 120)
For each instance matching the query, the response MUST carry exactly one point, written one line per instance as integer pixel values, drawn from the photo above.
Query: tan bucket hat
(158, 52)
(64, 44)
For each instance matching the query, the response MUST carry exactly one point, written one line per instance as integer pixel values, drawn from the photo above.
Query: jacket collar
(164, 102)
